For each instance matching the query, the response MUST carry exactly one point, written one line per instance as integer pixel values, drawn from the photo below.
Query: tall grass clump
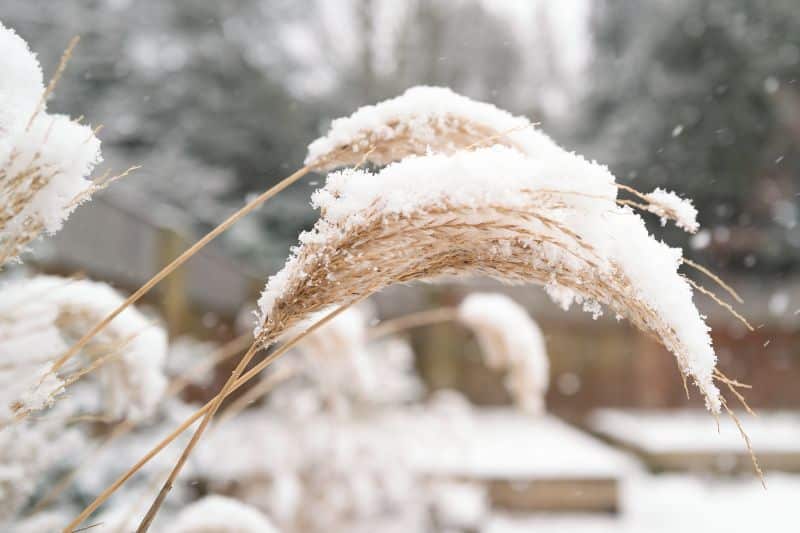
(39, 318)
(469, 190)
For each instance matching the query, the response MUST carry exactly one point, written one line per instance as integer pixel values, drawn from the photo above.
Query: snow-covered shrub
(511, 341)
(337, 361)
(330, 458)
(45, 159)
(218, 514)
(43, 314)
(185, 354)
(38, 318)
(336, 355)
(29, 451)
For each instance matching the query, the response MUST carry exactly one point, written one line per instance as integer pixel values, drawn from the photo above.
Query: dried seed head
(421, 120)
(44, 159)
(511, 341)
(491, 212)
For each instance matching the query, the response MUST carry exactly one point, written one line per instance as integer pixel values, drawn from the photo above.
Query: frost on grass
(511, 341)
(219, 514)
(43, 315)
(497, 212)
(45, 159)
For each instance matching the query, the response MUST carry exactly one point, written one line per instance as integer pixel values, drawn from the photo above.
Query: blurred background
(218, 100)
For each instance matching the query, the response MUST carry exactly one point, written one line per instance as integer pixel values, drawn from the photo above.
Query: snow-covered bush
(39, 316)
(336, 355)
(29, 451)
(217, 514)
(325, 455)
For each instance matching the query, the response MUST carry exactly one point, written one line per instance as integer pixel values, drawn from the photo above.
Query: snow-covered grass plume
(421, 120)
(41, 315)
(45, 159)
(667, 204)
(218, 514)
(510, 341)
(494, 212)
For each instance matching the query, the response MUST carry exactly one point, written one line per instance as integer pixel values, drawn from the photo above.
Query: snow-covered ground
(675, 431)
(679, 503)
(510, 445)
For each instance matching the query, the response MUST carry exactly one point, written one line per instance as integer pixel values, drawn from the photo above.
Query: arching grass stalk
(510, 212)
(228, 350)
(247, 376)
(178, 261)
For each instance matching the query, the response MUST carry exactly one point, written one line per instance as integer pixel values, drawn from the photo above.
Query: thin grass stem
(177, 262)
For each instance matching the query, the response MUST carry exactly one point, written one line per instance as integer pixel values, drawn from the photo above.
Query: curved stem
(428, 317)
(177, 262)
(250, 374)
(226, 351)
(254, 393)
(215, 404)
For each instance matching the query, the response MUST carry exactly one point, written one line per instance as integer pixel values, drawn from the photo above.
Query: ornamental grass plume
(510, 341)
(422, 120)
(45, 159)
(503, 201)
(509, 338)
(499, 213)
(436, 120)
(40, 316)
